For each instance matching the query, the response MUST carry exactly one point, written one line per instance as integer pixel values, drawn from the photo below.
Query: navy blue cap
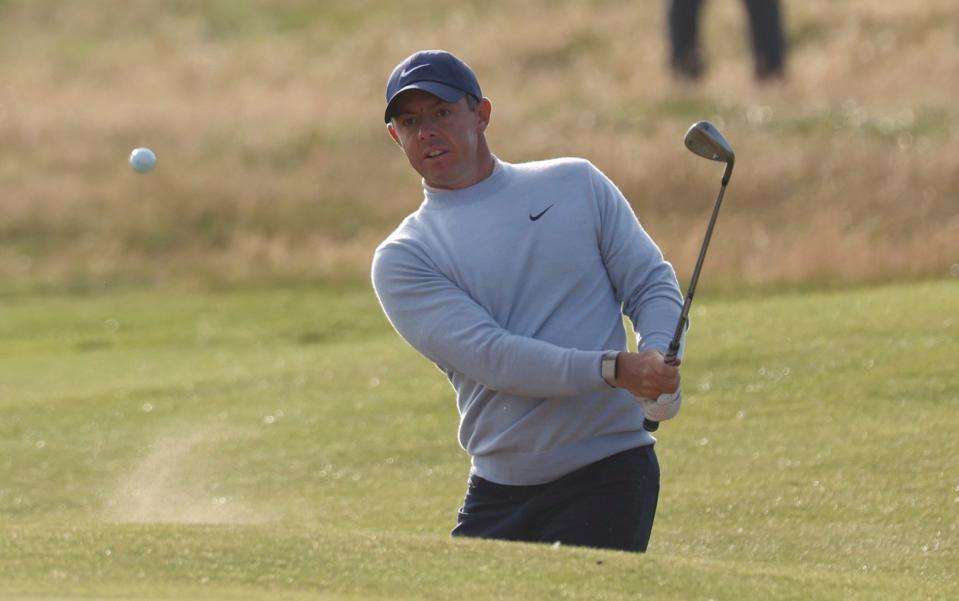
(435, 71)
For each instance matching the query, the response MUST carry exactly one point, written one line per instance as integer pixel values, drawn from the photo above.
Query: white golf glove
(663, 408)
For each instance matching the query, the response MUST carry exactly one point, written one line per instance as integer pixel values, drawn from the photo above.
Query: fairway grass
(285, 444)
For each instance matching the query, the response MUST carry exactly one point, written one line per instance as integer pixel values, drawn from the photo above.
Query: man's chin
(441, 185)
(436, 178)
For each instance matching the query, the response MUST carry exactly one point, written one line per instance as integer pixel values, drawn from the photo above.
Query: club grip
(670, 359)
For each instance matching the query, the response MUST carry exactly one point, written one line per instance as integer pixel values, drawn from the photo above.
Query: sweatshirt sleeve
(445, 324)
(644, 282)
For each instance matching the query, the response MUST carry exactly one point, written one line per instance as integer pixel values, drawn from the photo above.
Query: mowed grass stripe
(298, 449)
(219, 562)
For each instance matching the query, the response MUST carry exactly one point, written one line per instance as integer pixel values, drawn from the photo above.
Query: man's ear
(392, 130)
(483, 111)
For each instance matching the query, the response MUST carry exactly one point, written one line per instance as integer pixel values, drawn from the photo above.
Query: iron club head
(704, 139)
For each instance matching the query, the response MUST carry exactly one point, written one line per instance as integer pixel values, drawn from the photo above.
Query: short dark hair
(471, 103)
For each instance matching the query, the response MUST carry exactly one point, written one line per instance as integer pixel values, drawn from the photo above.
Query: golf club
(703, 139)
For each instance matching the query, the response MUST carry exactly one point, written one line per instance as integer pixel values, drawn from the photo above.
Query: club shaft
(673, 351)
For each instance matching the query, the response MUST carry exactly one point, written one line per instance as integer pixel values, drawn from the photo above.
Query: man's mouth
(434, 153)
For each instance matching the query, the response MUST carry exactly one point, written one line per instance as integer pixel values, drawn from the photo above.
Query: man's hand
(646, 375)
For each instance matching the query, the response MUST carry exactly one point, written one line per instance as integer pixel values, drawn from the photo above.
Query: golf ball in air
(143, 160)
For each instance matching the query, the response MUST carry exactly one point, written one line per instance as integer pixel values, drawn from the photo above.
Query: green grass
(284, 444)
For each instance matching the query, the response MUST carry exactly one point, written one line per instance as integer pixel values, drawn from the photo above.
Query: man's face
(443, 141)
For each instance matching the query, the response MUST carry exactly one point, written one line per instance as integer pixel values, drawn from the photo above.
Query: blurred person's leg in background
(765, 24)
(685, 57)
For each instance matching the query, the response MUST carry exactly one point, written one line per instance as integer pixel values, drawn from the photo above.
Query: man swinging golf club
(513, 279)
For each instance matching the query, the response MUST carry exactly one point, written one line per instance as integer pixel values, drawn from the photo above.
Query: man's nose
(427, 129)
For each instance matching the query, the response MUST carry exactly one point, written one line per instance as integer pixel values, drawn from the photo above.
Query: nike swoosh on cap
(406, 72)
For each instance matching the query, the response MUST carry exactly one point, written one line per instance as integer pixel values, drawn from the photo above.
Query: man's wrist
(608, 368)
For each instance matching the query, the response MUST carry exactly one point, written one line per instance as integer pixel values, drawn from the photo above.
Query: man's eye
(408, 122)
(443, 113)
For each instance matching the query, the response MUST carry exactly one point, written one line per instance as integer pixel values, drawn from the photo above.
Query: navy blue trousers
(609, 504)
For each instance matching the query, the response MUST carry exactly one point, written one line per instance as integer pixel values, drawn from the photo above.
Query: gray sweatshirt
(515, 287)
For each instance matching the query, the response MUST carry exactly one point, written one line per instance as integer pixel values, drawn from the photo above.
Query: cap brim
(440, 90)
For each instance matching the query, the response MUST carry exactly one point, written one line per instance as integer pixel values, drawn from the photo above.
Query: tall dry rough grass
(274, 164)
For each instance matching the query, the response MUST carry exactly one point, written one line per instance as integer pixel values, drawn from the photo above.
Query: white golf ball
(143, 160)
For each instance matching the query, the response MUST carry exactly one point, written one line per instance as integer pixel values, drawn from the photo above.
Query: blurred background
(275, 166)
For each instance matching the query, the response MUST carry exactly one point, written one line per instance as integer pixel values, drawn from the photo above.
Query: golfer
(513, 279)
